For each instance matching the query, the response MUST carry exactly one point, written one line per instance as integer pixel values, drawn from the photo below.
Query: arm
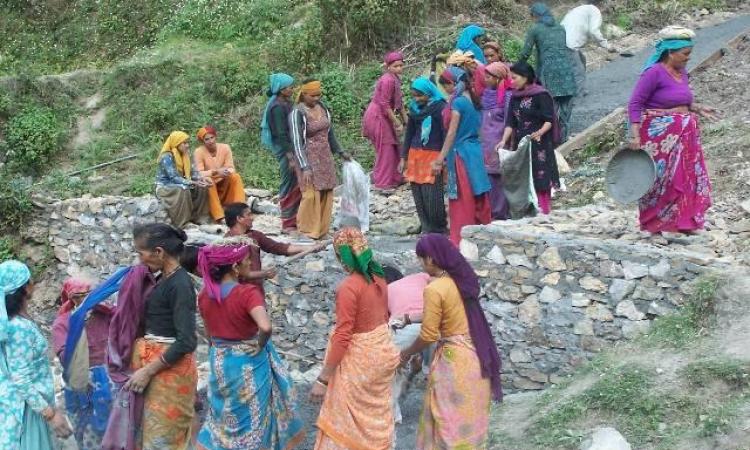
(60, 334)
(411, 129)
(167, 165)
(346, 310)
(431, 319)
(183, 315)
(199, 162)
(636, 106)
(528, 44)
(20, 357)
(297, 131)
(385, 94)
(260, 316)
(332, 141)
(229, 161)
(281, 127)
(450, 138)
(546, 112)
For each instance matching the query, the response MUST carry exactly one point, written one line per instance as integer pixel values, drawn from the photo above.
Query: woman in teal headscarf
(467, 41)
(275, 136)
(424, 138)
(27, 391)
(554, 64)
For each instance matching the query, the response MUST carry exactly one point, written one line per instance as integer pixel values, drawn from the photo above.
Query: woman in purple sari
(383, 123)
(497, 84)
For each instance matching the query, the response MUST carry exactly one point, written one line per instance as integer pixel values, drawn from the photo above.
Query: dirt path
(610, 86)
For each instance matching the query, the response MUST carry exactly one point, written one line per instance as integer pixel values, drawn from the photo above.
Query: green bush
(346, 106)
(7, 249)
(15, 203)
(31, 138)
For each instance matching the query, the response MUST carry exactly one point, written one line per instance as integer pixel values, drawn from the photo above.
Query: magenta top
(97, 333)
(656, 89)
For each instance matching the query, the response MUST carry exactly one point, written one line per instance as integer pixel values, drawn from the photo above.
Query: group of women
(130, 370)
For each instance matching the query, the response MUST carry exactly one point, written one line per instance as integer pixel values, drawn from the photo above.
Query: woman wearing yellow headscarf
(181, 189)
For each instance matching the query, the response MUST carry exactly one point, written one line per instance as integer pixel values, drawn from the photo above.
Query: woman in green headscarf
(275, 136)
(355, 382)
(554, 64)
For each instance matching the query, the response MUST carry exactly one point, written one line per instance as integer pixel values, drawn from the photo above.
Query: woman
(422, 144)
(27, 390)
(275, 136)
(493, 52)
(88, 390)
(461, 155)
(383, 123)
(248, 381)
(215, 162)
(497, 80)
(664, 123)
(182, 190)
(163, 360)
(314, 145)
(468, 41)
(554, 64)
(531, 113)
(465, 370)
(355, 382)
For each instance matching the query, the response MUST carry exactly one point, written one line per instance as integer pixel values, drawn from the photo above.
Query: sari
(681, 194)
(251, 399)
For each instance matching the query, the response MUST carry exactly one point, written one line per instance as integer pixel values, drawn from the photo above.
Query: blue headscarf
(542, 11)
(466, 42)
(278, 82)
(13, 275)
(428, 88)
(663, 46)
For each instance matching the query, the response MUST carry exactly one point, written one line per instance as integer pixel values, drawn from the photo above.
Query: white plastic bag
(355, 195)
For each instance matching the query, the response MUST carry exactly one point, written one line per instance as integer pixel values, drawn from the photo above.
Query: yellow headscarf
(312, 87)
(170, 146)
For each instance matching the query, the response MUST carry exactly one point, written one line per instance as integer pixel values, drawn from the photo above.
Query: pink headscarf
(72, 286)
(502, 72)
(392, 57)
(212, 256)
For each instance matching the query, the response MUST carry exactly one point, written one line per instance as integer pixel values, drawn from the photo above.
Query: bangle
(324, 383)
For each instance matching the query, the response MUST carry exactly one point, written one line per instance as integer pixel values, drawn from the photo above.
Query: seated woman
(27, 390)
(182, 190)
(214, 160)
(355, 382)
(248, 382)
(88, 390)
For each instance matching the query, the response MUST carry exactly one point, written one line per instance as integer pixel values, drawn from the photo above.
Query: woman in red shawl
(88, 394)
(383, 123)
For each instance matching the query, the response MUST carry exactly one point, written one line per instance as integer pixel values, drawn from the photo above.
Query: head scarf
(72, 286)
(446, 256)
(466, 41)
(170, 146)
(428, 88)
(663, 46)
(220, 254)
(457, 76)
(351, 247)
(208, 129)
(13, 275)
(309, 88)
(392, 57)
(543, 13)
(277, 83)
(501, 72)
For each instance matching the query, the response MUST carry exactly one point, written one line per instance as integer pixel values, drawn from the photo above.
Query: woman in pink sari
(383, 123)
(664, 123)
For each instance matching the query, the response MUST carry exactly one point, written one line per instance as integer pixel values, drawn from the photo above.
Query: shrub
(7, 249)
(31, 137)
(15, 203)
(346, 106)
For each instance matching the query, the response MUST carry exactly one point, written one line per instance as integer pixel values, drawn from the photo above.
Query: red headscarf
(72, 286)
(392, 57)
(221, 254)
(208, 129)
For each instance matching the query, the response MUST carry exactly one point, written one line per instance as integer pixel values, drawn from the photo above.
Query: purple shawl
(126, 326)
(446, 256)
(530, 91)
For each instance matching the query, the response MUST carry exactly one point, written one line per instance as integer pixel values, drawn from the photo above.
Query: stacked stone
(555, 300)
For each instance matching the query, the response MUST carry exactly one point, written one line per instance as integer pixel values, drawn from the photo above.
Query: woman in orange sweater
(355, 382)
(214, 160)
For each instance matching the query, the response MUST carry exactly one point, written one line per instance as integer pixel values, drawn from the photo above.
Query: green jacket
(554, 60)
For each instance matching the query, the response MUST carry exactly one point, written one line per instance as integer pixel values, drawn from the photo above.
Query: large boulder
(606, 438)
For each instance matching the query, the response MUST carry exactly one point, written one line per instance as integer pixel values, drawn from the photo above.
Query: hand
(306, 178)
(537, 135)
(405, 357)
(139, 381)
(635, 143)
(226, 172)
(707, 112)
(59, 424)
(317, 392)
(401, 165)
(500, 146)
(397, 323)
(437, 166)
(269, 273)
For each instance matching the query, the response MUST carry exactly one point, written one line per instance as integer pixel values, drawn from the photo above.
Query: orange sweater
(360, 308)
(205, 162)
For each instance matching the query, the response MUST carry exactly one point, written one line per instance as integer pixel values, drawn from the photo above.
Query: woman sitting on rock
(664, 122)
(465, 370)
(248, 381)
(214, 161)
(361, 360)
(182, 190)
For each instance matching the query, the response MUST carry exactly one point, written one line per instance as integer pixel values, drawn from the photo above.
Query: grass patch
(732, 372)
(7, 248)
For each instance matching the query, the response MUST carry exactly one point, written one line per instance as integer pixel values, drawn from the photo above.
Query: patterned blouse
(168, 176)
(554, 63)
(28, 380)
